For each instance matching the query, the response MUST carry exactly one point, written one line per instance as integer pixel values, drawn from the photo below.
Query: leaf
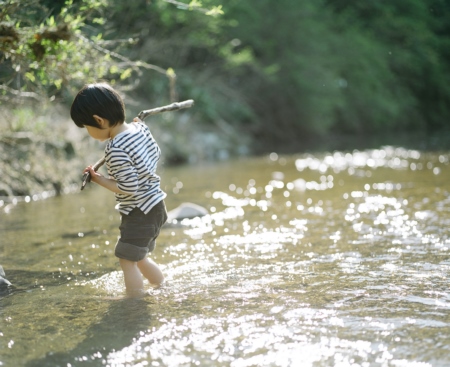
(126, 74)
(58, 83)
(170, 73)
(51, 21)
(100, 21)
(215, 11)
(113, 69)
(30, 76)
(195, 4)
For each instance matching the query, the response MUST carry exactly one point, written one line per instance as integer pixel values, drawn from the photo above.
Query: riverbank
(40, 154)
(44, 155)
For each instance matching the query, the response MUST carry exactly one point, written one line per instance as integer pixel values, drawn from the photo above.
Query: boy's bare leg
(151, 271)
(134, 283)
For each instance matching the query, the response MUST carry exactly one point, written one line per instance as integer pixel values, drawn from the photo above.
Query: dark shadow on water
(27, 280)
(123, 321)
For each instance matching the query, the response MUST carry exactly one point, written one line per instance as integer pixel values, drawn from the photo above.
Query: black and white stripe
(131, 159)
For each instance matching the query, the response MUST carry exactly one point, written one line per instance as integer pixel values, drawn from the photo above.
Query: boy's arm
(107, 183)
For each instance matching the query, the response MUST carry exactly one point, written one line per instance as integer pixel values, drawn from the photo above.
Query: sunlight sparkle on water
(329, 259)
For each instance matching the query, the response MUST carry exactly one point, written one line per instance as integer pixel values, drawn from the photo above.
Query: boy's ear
(101, 121)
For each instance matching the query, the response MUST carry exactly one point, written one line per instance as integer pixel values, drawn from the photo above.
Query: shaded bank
(43, 153)
(31, 166)
(436, 141)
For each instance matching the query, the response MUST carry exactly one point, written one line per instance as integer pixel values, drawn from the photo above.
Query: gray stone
(186, 210)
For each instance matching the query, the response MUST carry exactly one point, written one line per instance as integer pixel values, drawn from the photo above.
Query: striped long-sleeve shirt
(131, 159)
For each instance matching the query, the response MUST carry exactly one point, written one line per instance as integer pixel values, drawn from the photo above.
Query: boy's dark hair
(97, 99)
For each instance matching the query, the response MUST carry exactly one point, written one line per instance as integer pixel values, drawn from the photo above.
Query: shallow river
(333, 259)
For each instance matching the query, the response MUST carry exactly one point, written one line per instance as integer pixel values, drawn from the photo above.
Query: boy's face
(98, 134)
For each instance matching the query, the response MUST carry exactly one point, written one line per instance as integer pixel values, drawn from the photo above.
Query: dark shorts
(138, 232)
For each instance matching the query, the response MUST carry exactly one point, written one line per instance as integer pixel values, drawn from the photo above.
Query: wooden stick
(142, 115)
(87, 176)
(171, 107)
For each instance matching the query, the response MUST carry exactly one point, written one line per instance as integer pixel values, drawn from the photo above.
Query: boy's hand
(137, 119)
(107, 183)
(95, 176)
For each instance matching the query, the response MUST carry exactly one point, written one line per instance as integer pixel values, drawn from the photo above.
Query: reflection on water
(333, 259)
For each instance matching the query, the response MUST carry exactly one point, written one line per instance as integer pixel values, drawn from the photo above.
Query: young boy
(131, 156)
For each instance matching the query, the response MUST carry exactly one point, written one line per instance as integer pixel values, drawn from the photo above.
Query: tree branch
(19, 93)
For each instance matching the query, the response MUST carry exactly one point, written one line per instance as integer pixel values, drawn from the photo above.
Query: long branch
(124, 59)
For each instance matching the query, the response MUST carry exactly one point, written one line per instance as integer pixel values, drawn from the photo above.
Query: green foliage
(21, 121)
(276, 70)
(413, 37)
(343, 66)
(43, 49)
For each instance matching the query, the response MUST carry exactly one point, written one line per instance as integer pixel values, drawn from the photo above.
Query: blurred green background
(266, 75)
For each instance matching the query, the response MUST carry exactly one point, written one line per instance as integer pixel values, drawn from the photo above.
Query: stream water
(332, 259)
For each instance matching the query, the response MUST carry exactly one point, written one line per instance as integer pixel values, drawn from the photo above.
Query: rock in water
(3, 281)
(186, 210)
